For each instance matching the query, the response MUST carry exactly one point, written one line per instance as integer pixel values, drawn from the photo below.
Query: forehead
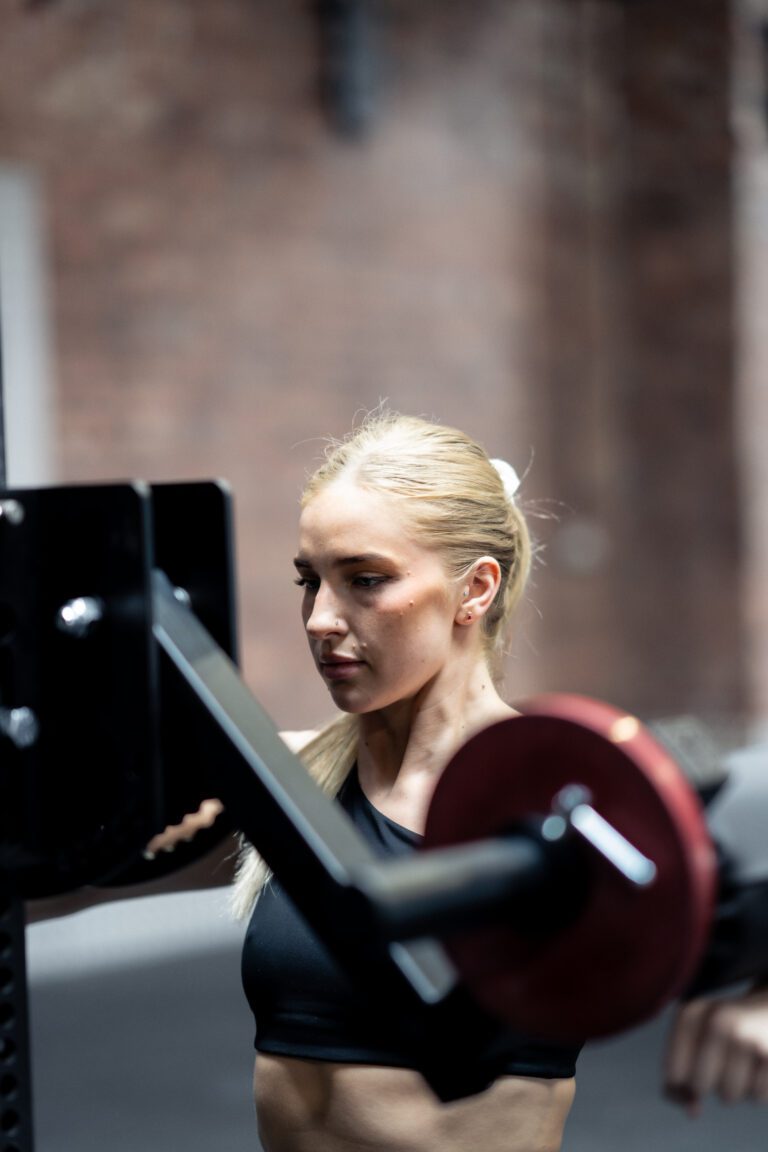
(347, 518)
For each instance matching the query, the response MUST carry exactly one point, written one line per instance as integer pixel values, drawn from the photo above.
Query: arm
(215, 869)
(719, 1045)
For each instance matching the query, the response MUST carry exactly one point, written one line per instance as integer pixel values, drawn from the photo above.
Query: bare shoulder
(298, 740)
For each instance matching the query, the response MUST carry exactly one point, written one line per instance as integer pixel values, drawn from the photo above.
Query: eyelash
(367, 583)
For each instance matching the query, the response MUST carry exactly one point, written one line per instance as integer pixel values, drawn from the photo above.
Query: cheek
(415, 622)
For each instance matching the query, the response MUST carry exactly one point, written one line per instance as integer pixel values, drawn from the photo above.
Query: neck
(421, 734)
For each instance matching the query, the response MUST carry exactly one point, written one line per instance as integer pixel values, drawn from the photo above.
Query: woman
(412, 557)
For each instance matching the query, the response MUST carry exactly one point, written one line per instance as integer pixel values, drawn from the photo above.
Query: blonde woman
(412, 557)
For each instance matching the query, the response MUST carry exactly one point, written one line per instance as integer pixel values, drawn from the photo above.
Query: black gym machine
(569, 885)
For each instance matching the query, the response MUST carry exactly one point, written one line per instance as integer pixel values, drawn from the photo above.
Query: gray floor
(142, 1041)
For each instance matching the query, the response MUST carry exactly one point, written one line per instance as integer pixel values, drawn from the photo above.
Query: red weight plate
(628, 951)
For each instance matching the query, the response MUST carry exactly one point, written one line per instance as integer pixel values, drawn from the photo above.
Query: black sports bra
(302, 1002)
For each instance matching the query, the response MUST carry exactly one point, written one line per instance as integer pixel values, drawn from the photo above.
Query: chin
(353, 709)
(347, 703)
(356, 705)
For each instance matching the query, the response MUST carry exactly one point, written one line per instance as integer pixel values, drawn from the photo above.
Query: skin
(398, 642)
(720, 1046)
(419, 678)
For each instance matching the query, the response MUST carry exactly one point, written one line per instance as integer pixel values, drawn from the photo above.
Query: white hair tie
(509, 478)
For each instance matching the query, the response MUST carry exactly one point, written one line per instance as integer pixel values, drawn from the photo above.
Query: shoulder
(298, 740)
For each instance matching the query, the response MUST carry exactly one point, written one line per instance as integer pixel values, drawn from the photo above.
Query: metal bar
(433, 892)
(322, 862)
(15, 1066)
(466, 886)
(300, 832)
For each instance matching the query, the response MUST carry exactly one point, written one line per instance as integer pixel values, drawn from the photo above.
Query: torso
(318, 1105)
(314, 1106)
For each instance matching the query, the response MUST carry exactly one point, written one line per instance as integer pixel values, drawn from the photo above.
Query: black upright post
(15, 1064)
(3, 478)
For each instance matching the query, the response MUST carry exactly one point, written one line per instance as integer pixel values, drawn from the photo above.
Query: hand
(192, 823)
(719, 1045)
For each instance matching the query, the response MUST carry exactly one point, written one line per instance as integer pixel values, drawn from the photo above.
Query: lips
(339, 667)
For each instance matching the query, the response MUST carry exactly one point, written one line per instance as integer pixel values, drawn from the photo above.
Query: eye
(309, 583)
(368, 581)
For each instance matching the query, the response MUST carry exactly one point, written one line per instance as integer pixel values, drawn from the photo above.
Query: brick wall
(751, 190)
(639, 419)
(533, 243)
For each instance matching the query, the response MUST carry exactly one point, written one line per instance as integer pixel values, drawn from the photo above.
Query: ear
(478, 590)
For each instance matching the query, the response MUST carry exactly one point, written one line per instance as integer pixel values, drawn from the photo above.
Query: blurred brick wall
(534, 244)
(637, 362)
(751, 190)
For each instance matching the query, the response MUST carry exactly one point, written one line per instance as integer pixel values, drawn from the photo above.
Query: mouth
(339, 667)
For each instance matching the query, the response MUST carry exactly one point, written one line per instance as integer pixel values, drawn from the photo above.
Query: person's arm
(719, 1045)
(215, 869)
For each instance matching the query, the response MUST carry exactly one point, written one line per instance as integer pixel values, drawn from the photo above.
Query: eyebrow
(347, 561)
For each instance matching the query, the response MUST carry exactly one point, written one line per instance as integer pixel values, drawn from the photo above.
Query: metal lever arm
(321, 860)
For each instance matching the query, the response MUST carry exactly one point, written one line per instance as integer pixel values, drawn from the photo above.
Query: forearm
(214, 870)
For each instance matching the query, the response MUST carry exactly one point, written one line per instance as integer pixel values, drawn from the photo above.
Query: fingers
(192, 823)
(719, 1046)
(682, 1077)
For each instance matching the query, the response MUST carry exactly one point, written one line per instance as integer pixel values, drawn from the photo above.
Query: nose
(325, 617)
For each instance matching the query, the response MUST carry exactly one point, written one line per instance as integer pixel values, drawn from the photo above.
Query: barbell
(568, 868)
(625, 925)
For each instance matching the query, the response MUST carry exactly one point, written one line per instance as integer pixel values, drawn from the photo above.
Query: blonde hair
(456, 502)
(328, 757)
